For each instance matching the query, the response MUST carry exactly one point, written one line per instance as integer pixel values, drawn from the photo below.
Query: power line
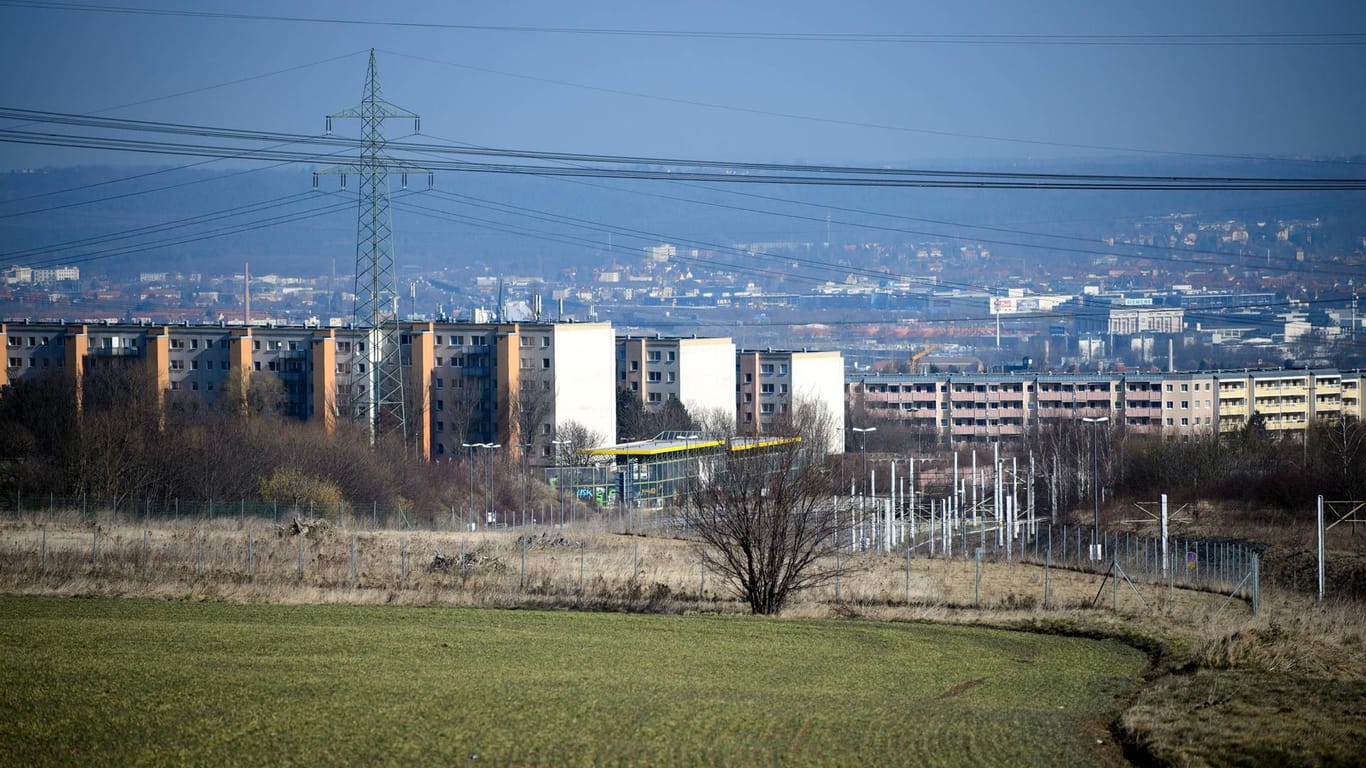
(718, 171)
(165, 97)
(857, 123)
(1130, 39)
(246, 227)
(155, 228)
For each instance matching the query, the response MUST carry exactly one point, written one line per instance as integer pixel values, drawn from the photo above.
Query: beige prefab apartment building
(697, 372)
(516, 384)
(769, 382)
(989, 407)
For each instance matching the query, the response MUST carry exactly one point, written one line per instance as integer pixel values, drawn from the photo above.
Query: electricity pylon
(377, 395)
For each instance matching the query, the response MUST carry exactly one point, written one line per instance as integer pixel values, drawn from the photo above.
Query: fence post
(837, 574)
(299, 566)
(522, 574)
(977, 582)
(908, 575)
(582, 545)
(403, 559)
(462, 559)
(1319, 528)
(1256, 583)
(1047, 565)
(251, 560)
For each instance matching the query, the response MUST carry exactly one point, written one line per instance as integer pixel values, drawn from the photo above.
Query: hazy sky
(1137, 77)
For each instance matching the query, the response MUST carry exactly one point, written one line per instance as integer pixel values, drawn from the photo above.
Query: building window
(672, 377)
(654, 376)
(635, 365)
(655, 397)
(635, 386)
(766, 407)
(653, 355)
(545, 363)
(177, 365)
(766, 389)
(749, 378)
(545, 341)
(766, 368)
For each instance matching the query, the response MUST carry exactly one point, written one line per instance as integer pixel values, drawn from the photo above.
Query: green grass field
(138, 682)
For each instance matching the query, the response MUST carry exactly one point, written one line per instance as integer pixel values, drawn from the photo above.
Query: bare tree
(573, 437)
(766, 511)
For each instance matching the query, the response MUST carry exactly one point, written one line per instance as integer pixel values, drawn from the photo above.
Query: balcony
(114, 352)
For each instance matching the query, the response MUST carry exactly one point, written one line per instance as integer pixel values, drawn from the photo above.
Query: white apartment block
(770, 382)
(697, 372)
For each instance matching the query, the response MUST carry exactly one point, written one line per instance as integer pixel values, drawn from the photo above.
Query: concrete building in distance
(991, 407)
(769, 383)
(515, 384)
(697, 372)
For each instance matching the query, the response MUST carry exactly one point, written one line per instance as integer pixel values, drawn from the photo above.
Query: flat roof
(664, 445)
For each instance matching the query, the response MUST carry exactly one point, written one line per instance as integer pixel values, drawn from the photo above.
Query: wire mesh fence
(880, 559)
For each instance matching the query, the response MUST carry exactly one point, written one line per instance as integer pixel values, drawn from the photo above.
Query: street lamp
(469, 472)
(526, 479)
(488, 479)
(1095, 486)
(863, 446)
(488, 474)
(559, 472)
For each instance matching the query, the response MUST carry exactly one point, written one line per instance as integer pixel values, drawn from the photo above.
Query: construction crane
(918, 356)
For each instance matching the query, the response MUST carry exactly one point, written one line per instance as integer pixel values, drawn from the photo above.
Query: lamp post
(559, 480)
(488, 474)
(863, 446)
(1096, 554)
(488, 480)
(526, 447)
(469, 471)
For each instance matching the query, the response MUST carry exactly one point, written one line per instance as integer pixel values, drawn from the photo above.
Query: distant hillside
(39, 209)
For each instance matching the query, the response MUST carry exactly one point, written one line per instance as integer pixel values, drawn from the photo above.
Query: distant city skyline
(802, 82)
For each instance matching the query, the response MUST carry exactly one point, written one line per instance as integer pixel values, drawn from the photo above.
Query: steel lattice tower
(377, 394)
